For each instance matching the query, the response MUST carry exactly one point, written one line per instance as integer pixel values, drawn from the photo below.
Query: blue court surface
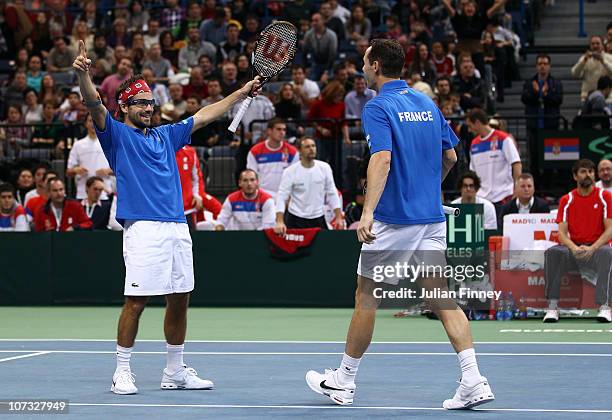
(266, 379)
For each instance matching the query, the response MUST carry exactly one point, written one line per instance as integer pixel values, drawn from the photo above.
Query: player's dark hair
(390, 56)
(471, 175)
(477, 114)
(583, 163)
(542, 55)
(275, 121)
(91, 180)
(121, 88)
(6, 187)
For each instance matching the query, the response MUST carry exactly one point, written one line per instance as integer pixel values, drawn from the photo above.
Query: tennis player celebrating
(156, 240)
(412, 151)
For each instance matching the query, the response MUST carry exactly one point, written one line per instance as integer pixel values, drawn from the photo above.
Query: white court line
(114, 340)
(23, 356)
(334, 407)
(278, 353)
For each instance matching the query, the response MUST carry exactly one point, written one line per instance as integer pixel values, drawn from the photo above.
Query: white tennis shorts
(399, 244)
(158, 258)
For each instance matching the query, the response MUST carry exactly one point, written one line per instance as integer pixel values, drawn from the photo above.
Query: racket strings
(275, 48)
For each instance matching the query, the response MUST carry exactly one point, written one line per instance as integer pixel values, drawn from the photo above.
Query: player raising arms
(156, 240)
(402, 221)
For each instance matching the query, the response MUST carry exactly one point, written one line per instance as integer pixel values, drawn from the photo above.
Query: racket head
(275, 49)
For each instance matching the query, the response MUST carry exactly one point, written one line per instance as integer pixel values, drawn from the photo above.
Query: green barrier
(231, 268)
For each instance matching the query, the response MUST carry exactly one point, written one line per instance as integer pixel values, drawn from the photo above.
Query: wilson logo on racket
(275, 48)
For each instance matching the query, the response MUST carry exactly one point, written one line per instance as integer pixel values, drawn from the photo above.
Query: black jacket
(539, 206)
(551, 103)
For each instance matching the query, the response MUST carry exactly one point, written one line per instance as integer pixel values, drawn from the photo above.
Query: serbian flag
(295, 243)
(562, 148)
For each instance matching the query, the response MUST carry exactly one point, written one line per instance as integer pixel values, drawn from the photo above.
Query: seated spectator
(248, 208)
(422, 65)
(229, 81)
(119, 35)
(214, 29)
(443, 62)
(152, 35)
(591, 66)
(356, 99)
(47, 135)
(525, 202)
(393, 28)
(24, 184)
(32, 110)
(261, 108)
(12, 214)
(585, 231)
(96, 209)
(251, 29)
(159, 90)
(470, 87)
(469, 184)
(111, 83)
(494, 157)
(339, 11)
(358, 25)
(172, 15)
(243, 65)
(161, 67)
(188, 55)
(232, 47)
(332, 22)
(86, 160)
(194, 103)
(307, 185)
(14, 93)
(39, 200)
(596, 106)
(35, 74)
(320, 47)
(416, 83)
(59, 214)
(61, 56)
(420, 33)
(138, 18)
(168, 48)
(100, 49)
(13, 139)
(215, 93)
(270, 157)
(50, 92)
(179, 105)
(288, 106)
(604, 172)
(307, 90)
(193, 19)
(80, 31)
(40, 185)
(331, 105)
(73, 109)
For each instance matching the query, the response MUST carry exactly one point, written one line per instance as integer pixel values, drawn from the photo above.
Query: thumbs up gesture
(82, 63)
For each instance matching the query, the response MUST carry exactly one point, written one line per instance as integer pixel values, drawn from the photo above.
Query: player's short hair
(248, 170)
(390, 56)
(90, 181)
(477, 114)
(583, 163)
(275, 121)
(471, 175)
(6, 187)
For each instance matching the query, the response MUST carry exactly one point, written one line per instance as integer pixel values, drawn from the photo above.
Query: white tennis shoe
(551, 315)
(604, 314)
(184, 378)
(124, 383)
(327, 384)
(470, 397)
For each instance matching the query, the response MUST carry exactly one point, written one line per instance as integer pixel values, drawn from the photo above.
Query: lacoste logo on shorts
(134, 285)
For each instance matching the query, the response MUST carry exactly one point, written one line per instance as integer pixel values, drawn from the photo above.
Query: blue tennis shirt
(148, 183)
(409, 125)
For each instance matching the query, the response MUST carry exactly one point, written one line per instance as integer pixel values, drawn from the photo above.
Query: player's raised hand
(364, 229)
(82, 63)
(253, 87)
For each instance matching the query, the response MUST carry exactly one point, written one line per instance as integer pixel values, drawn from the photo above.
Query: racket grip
(238, 117)
(453, 211)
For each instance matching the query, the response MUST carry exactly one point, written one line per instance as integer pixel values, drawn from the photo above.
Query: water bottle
(510, 307)
(501, 304)
(522, 308)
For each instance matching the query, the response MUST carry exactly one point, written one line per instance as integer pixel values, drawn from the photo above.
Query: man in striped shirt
(585, 233)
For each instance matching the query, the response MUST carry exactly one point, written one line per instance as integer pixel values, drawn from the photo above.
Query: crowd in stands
(461, 53)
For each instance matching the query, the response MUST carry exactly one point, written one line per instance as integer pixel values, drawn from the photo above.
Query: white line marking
(23, 356)
(290, 353)
(333, 407)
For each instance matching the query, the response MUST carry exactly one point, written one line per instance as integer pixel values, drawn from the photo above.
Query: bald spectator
(591, 66)
(59, 214)
(162, 68)
(604, 172)
(469, 184)
(526, 201)
(12, 214)
(229, 78)
(194, 49)
(320, 47)
(111, 83)
(61, 56)
(232, 47)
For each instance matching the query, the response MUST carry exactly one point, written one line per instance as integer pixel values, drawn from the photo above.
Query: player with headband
(156, 240)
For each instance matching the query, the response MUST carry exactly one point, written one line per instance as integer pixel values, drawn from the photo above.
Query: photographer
(591, 66)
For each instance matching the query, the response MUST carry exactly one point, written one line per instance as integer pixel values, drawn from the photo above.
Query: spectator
(250, 31)
(526, 201)
(591, 66)
(443, 89)
(21, 60)
(585, 231)
(248, 208)
(25, 184)
(60, 20)
(86, 160)
(393, 28)
(332, 22)
(49, 91)
(162, 68)
(90, 16)
(341, 76)
(422, 65)
(229, 81)
(179, 105)
(59, 214)
(494, 157)
(14, 93)
(243, 65)
(12, 214)
(48, 134)
(192, 20)
(358, 25)
(356, 99)
(216, 132)
(100, 50)
(261, 108)
(152, 35)
(470, 87)
(13, 139)
(194, 103)
(34, 203)
(444, 63)
(137, 52)
(119, 35)
(168, 48)
(60, 57)
(288, 105)
(159, 90)
(339, 11)
(604, 172)
(96, 209)
(197, 84)
(320, 47)
(120, 52)
(469, 184)
(35, 74)
(306, 89)
(111, 83)
(206, 64)
(195, 48)
(360, 46)
(32, 110)
(214, 29)
(307, 185)
(138, 18)
(72, 109)
(215, 94)
(595, 105)
(40, 187)
(80, 31)
(297, 10)
(270, 157)
(542, 96)
(232, 47)
(172, 15)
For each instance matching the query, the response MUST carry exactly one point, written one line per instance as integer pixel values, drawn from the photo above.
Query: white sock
(553, 303)
(470, 375)
(174, 357)
(348, 370)
(124, 354)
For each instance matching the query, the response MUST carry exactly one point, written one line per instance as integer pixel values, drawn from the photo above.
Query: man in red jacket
(59, 214)
(195, 198)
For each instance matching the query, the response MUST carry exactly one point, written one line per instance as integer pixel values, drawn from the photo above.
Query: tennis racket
(274, 51)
